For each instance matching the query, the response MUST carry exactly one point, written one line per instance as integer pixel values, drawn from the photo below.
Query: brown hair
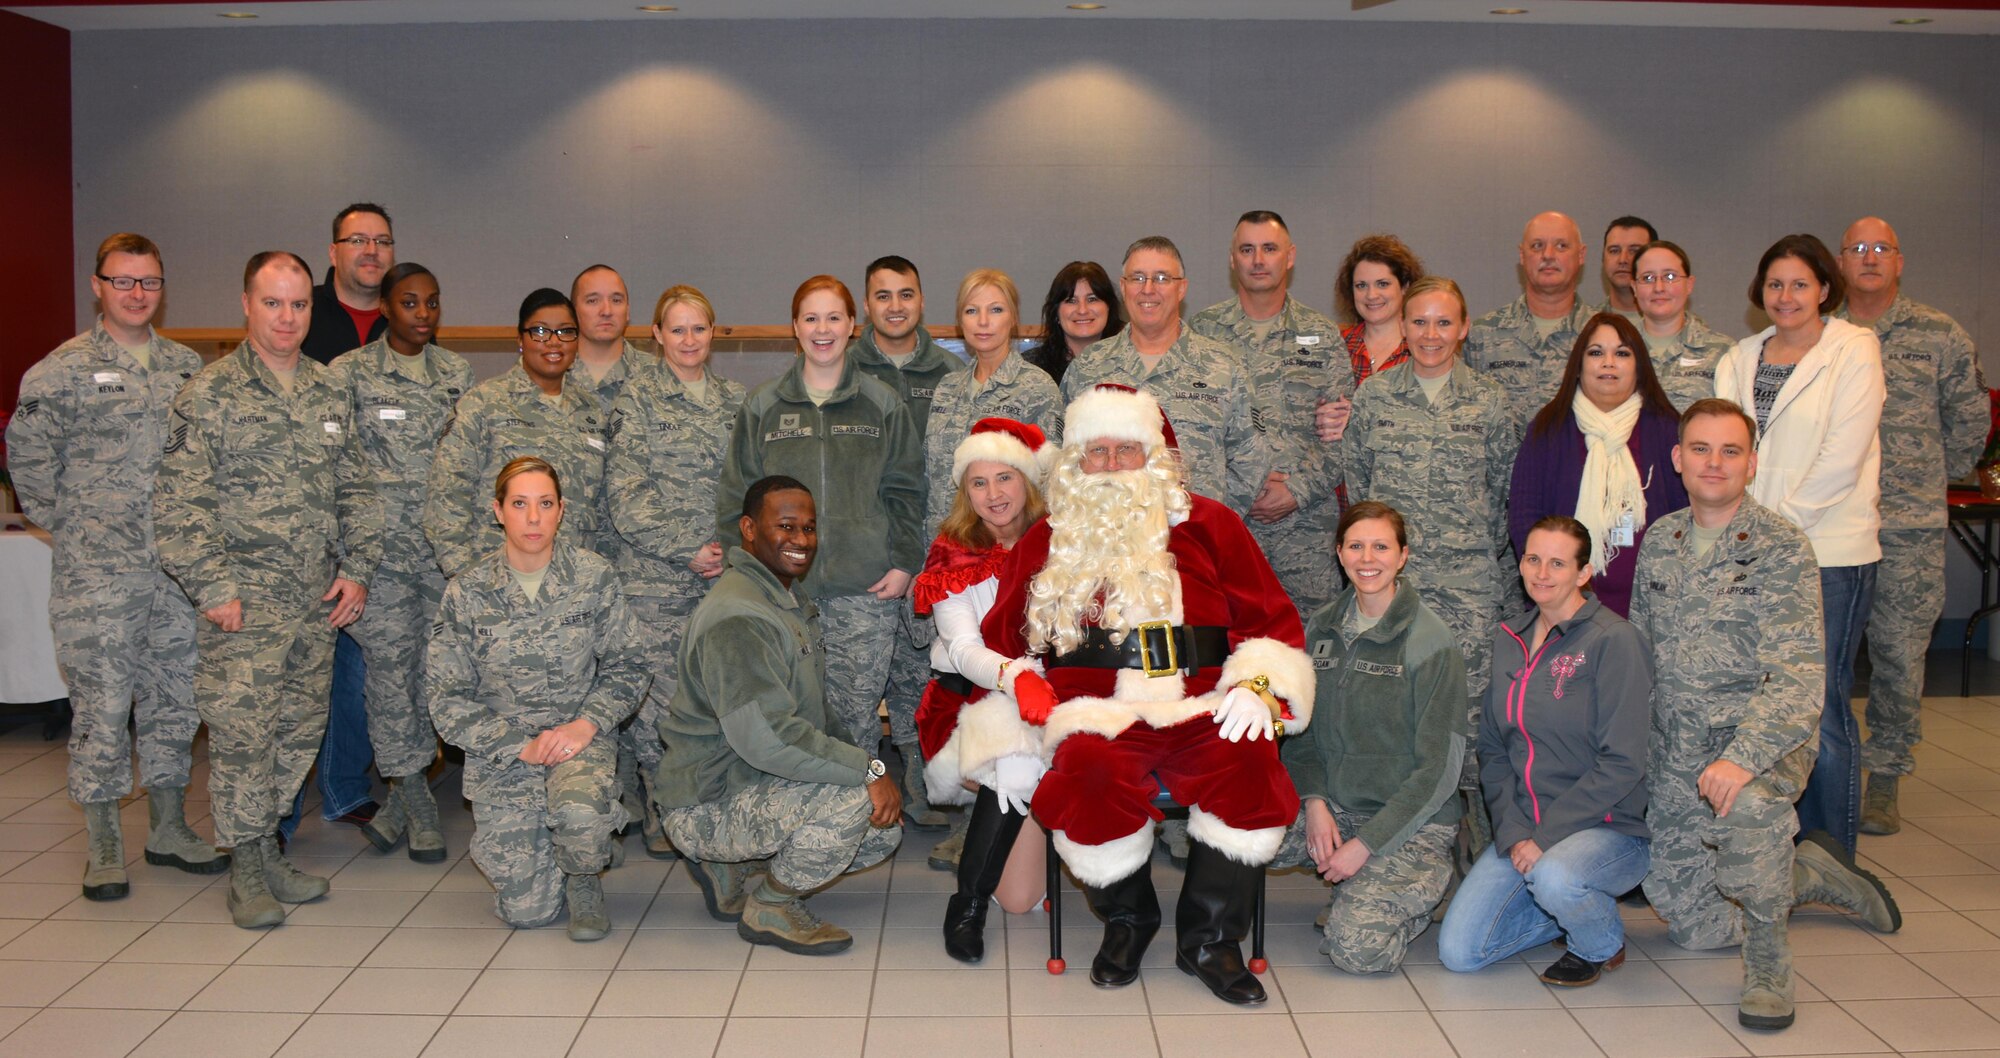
(1433, 284)
(1568, 526)
(1384, 249)
(283, 257)
(1365, 511)
(1717, 406)
(1808, 250)
(963, 525)
(127, 242)
(1651, 396)
(523, 465)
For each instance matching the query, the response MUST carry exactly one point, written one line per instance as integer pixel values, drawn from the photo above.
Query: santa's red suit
(1114, 730)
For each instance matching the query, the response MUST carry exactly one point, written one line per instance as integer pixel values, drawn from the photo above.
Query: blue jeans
(1571, 891)
(1832, 798)
(345, 754)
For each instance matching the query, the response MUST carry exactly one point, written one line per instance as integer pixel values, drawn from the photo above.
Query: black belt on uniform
(1156, 648)
(953, 682)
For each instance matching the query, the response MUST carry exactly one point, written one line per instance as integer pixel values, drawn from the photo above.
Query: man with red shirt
(1171, 653)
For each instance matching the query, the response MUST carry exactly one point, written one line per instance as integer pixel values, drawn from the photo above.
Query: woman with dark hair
(528, 411)
(851, 440)
(532, 664)
(1081, 308)
(1814, 384)
(1683, 349)
(1369, 292)
(1562, 765)
(1602, 450)
(404, 391)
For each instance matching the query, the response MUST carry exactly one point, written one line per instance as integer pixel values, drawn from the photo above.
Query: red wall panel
(38, 270)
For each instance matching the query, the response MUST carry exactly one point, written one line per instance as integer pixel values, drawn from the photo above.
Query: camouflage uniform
(1307, 359)
(1934, 425)
(499, 670)
(401, 409)
(501, 419)
(633, 364)
(1685, 362)
(1739, 674)
(666, 456)
(1387, 903)
(83, 449)
(263, 496)
(758, 766)
(1210, 394)
(1448, 470)
(861, 457)
(920, 380)
(1505, 346)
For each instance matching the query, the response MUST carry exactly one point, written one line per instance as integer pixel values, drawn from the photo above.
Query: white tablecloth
(27, 645)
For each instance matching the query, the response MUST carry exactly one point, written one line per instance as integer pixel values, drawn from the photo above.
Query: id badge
(1622, 531)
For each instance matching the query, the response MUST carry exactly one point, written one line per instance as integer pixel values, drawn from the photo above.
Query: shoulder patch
(28, 407)
(177, 437)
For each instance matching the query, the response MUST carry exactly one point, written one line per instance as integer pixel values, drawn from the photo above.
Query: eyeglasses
(1140, 279)
(360, 242)
(543, 334)
(128, 282)
(1667, 278)
(1863, 249)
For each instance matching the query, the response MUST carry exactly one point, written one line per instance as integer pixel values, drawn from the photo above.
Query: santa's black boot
(989, 837)
(1217, 900)
(1131, 912)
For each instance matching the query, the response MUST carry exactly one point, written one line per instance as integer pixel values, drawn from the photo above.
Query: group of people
(1602, 574)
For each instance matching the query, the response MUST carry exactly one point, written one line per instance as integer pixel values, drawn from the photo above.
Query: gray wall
(744, 156)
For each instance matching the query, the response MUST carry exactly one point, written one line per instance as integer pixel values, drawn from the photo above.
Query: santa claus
(1173, 656)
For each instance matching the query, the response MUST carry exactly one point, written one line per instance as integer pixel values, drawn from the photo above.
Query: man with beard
(1173, 656)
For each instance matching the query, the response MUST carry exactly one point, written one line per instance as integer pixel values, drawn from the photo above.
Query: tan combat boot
(1823, 873)
(1879, 814)
(170, 842)
(1767, 975)
(774, 915)
(104, 874)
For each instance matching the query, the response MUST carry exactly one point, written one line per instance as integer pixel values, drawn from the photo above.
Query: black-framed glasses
(361, 242)
(128, 282)
(542, 334)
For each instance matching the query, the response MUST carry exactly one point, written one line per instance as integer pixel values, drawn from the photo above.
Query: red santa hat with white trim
(1121, 413)
(1020, 445)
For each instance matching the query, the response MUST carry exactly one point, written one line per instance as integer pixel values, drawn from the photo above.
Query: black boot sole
(1759, 1021)
(1839, 852)
(107, 891)
(168, 859)
(426, 855)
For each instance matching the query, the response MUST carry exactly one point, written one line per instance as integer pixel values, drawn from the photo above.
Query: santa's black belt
(1155, 648)
(953, 682)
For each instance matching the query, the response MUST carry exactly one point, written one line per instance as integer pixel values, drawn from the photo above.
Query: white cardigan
(1819, 458)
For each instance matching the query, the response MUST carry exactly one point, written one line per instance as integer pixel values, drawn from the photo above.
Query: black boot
(1131, 912)
(1217, 899)
(989, 837)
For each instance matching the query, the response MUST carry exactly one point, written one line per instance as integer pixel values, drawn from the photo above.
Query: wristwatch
(877, 769)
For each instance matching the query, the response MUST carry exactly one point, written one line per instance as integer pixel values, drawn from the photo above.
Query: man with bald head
(1524, 345)
(266, 515)
(1934, 424)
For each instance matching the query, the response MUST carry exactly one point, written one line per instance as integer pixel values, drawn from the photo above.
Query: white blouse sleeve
(958, 618)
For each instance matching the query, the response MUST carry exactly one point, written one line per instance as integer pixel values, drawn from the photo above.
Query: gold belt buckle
(1173, 665)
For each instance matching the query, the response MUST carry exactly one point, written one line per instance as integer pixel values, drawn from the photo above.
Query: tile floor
(405, 959)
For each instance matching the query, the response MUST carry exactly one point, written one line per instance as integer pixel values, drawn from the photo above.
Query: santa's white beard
(1108, 562)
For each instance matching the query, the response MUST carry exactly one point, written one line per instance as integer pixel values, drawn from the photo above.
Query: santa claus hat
(1020, 445)
(1120, 413)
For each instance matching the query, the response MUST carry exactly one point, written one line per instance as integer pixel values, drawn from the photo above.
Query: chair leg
(1053, 902)
(1258, 964)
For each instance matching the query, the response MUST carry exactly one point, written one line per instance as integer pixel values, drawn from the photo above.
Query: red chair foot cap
(1057, 966)
(1258, 966)
(1047, 903)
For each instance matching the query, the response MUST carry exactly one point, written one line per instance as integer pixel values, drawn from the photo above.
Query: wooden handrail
(446, 335)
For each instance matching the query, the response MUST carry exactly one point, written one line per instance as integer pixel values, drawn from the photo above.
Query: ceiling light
(657, 9)
(1909, 21)
(235, 14)
(1086, 7)
(1508, 11)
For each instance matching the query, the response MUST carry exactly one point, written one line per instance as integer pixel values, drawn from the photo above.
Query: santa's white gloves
(1243, 715)
(1015, 777)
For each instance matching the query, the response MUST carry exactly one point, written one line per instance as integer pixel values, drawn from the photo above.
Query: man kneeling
(759, 789)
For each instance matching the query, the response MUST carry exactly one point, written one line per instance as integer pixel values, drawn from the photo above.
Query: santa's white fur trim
(943, 781)
(999, 447)
(1110, 716)
(1114, 414)
(1287, 667)
(1253, 847)
(1101, 865)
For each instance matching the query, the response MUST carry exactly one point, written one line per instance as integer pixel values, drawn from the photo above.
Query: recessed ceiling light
(1909, 21)
(1508, 11)
(235, 14)
(657, 9)
(1086, 7)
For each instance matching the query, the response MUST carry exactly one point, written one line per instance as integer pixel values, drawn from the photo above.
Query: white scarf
(1610, 486)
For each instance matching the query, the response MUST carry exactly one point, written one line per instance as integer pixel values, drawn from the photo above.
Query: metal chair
(1052, 903)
